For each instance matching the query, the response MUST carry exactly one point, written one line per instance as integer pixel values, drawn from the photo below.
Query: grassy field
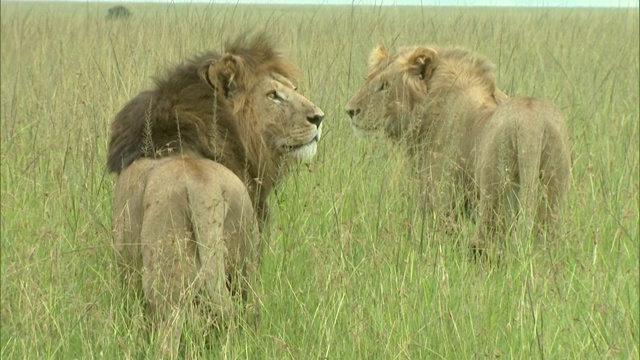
(350, 271)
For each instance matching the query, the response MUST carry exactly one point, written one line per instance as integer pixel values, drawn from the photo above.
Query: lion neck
(456, 106)
(259, 167)
(265, 175)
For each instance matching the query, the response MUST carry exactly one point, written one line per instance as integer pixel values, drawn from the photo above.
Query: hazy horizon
(458, 3)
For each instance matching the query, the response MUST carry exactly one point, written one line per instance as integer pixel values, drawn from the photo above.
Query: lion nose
(315, 119)
(352, 112)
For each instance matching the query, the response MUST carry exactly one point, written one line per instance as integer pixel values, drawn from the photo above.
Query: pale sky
(508, 3)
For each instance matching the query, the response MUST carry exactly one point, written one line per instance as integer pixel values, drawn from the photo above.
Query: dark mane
(183, 114)
(175, 116)
(261, 56)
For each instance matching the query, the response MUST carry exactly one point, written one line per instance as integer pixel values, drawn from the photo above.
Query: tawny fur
(471, 145)
(196, 158)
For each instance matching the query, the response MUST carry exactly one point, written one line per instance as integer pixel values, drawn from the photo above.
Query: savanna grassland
(350, 269)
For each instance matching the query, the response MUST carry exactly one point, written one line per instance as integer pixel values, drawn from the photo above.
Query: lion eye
(273, 95)
(383, 86)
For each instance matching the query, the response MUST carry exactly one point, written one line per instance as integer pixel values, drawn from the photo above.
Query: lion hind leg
(494, 182)
(208, 213)
(529, 148)
(555, 176)
(169, 263)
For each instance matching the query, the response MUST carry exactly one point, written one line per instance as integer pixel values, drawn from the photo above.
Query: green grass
(350, 269)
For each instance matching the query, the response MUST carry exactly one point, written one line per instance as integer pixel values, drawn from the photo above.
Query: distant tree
(118, 12)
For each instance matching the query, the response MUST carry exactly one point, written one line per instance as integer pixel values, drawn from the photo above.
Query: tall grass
(351, 270)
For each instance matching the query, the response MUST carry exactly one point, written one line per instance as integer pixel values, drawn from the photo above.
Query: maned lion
(196, 158)
(468, 140)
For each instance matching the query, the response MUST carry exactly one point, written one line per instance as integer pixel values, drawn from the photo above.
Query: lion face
(394, 85)
(367, 108)
(277, 116)
(292, 125)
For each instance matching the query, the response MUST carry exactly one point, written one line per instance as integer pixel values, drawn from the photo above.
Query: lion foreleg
(443, 189)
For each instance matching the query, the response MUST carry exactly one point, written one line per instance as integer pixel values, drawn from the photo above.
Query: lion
(196, 158)
(472, 146)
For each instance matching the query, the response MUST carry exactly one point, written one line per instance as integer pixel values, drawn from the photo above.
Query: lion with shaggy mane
(472, 146)
(196, 158)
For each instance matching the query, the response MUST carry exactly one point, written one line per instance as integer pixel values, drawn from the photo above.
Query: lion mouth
(306, 146)
(303, 152)
(292, 148)
(361, 131)
(313, 142)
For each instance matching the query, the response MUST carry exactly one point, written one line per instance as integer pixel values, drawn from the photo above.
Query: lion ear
(422, 62)
(377, 56)
(499, 96)
(223, 74)
(204, 74)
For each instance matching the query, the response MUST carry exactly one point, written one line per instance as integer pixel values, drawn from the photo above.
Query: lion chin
(362, 132)
(306, 151)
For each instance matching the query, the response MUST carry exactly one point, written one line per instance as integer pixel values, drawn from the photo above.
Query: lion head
(240, 109)
(411, 80)
(383, 94)
(281, 121)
